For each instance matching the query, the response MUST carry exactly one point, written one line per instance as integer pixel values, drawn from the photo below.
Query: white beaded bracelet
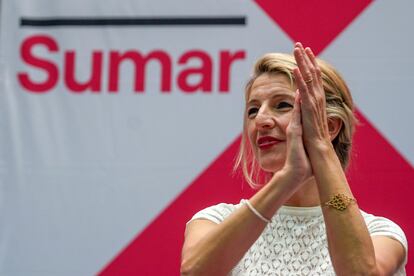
(260, 216)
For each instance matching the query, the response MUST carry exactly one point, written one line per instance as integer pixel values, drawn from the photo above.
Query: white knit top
(295, 243)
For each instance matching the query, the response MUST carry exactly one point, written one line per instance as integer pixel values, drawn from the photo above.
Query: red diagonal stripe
(382, 179)
(377, 171)
(156, 251)
(315, 23)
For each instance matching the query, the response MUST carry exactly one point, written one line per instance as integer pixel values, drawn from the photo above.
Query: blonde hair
(339, 105)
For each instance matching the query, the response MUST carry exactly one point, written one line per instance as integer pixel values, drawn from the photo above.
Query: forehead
(271, 85)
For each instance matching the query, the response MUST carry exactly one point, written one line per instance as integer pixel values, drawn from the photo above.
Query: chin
(271, 166)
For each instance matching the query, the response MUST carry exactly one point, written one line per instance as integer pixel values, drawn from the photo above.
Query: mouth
(266, 142)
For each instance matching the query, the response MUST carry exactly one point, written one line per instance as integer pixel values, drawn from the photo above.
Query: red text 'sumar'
(105, 76)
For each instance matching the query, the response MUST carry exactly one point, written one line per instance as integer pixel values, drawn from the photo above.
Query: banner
(121, 119)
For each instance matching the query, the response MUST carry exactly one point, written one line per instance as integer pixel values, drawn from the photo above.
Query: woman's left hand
(313, 106)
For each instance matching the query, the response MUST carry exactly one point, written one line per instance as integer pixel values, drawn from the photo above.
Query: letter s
(48, 66)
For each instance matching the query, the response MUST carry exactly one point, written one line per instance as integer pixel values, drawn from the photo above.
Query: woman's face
(269, 109)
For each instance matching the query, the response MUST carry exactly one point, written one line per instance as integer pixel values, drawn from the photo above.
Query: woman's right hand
(297, 165)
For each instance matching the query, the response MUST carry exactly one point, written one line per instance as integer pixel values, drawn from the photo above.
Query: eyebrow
(279, 95)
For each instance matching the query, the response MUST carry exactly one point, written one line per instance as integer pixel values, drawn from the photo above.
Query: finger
(305, 56)
(296, 118)
(312, 64)
(315, 64)
(300, 60)
(303, 66)
(312, 70)
(318, 84)
(294, 131)
(301, 85)
(311, 56)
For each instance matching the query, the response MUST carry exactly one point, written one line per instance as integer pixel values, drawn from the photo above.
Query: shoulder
(216, 213)
(381, 226)
(385, 227)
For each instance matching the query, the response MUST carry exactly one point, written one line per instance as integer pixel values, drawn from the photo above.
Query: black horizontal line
(128, 21)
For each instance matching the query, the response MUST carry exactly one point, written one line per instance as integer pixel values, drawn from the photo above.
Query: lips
(267, 142)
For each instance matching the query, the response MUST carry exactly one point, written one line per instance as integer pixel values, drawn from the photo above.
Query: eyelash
(280, 105)
(286, 104)
(252, 110)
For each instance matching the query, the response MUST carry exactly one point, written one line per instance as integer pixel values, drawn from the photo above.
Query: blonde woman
(304, 219)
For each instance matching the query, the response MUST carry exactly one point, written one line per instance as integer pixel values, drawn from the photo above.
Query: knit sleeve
(216, 213)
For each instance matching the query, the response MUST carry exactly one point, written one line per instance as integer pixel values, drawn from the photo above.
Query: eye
(252, 111)
(284, 105)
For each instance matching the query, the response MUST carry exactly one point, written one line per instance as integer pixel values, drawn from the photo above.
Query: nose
(264, 120)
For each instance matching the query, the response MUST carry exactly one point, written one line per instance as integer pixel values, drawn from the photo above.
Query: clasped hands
(308, 131)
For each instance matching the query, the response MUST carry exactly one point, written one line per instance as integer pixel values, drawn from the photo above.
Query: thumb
(295, 124)
(296, 116)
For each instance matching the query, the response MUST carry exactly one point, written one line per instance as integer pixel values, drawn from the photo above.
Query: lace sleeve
(216, 213)
(380, 226)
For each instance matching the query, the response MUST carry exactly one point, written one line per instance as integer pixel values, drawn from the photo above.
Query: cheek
(250, 133)
(252, 138)
(284, 120)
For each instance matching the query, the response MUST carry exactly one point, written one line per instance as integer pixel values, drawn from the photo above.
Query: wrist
(321, 147)
(290, 179)
(291, 174)
(322, 152)
(327, 169)
(274, 194)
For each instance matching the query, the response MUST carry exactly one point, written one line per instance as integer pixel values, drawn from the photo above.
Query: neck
(306, 196)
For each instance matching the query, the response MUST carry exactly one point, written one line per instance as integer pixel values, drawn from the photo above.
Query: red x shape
(378, 172)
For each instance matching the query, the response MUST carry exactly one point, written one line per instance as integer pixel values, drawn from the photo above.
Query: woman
(298, 130)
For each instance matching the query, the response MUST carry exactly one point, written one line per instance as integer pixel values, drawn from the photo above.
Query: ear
(334, 126)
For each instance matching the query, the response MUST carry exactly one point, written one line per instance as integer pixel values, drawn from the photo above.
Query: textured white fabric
(295, 243)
